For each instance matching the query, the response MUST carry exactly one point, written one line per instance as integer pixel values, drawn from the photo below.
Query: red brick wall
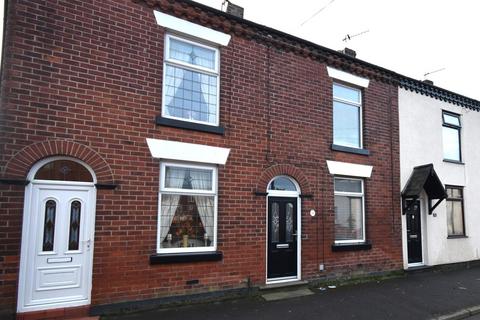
(89, 73)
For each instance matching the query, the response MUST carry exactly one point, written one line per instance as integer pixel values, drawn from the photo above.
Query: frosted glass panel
(275, 227)
(289, 223)
(74, 233)
(49, 225)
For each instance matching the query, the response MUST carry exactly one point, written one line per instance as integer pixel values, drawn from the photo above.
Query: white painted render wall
(421, 143)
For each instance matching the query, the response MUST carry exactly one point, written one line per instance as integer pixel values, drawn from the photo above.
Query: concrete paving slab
(281, 295)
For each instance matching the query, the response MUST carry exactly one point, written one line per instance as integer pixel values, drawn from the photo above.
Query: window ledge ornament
(347, 77)
(349, 169)
(191, 29)
(173, 150)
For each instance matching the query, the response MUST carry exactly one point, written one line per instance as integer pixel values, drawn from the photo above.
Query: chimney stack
(234, 10)
(349, 52)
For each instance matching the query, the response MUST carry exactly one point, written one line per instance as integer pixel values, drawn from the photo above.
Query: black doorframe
(277, 252)
(413, 215)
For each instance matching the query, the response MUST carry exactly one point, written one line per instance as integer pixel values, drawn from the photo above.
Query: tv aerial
(431, 72)
(349, 37)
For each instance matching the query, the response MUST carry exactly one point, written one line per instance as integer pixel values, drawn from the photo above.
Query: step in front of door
(74, 313)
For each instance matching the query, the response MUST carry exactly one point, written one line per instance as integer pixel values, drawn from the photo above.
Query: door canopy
(424, 178)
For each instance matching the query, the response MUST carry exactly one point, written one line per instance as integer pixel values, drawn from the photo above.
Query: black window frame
(459, 130)
(462, 201)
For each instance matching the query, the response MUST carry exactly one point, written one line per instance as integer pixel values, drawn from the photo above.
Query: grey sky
(411, 37)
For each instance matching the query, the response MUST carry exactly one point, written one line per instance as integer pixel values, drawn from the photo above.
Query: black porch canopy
(424, 178)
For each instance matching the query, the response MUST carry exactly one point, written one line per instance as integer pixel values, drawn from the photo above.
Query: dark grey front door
(414, 231)
(282, 237)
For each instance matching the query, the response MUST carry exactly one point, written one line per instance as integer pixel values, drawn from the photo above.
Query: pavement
(433, 294)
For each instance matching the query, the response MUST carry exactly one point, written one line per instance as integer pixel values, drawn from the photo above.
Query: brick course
(84, 79)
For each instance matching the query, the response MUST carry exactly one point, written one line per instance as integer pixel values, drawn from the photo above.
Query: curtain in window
(455, 218)
(356, 218)
(348, 218)
(205, 204)
(173, 179)
(173, 79)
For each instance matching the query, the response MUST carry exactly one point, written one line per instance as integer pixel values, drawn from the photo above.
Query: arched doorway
(57, 235)
(283, 230)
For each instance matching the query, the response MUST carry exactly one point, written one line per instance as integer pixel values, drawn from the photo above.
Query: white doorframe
(285, 194)
(27, 231)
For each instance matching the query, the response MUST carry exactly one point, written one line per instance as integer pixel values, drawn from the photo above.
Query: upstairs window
(347, 114)
(451, 136)
(191, 81)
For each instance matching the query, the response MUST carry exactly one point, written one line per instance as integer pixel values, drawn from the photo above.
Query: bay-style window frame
(179, 191)
(357, 104)
(456, 126)
(170, 61)
(456, 199)
(352, 194)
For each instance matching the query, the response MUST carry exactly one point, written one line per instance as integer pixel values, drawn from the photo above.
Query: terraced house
(439, 183)
(157, 151)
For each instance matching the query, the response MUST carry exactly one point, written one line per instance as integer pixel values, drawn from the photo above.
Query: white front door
(56, 267)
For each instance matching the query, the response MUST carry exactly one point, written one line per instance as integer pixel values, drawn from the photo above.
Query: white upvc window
(349, 210)
(190, 81)
(347, 116)
(187, 213)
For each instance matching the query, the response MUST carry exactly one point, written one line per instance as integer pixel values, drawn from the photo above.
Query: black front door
(414, 231)
(282, 237)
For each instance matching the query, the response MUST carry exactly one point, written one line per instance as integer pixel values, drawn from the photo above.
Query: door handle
(87, 243)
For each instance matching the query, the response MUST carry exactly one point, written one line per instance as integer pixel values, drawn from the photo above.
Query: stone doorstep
(290, 294)
(284, 285)
(76, 313)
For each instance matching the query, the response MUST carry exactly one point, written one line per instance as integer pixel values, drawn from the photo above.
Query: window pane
(348, 185)
(346, 93)
(49, 225)
(74, 234)
(454, 193)
(186, 221)
(348, 218)
(451, 144)
(188, 178)
(65, 170)
(275, 222)
(450, 119)
(455, 218)
(283, 184)
(192, 54)
(346, 125)
(190, 95)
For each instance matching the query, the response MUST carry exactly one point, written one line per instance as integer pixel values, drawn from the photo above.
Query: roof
(267, 35)
(424, 178)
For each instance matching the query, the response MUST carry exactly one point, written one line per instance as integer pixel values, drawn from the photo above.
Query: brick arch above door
(283, 170)
(19, 165)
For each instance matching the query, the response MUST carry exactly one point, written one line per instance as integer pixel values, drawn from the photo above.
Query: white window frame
(187, 192)
(351, 103)
(351, 194)
(184, 65)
